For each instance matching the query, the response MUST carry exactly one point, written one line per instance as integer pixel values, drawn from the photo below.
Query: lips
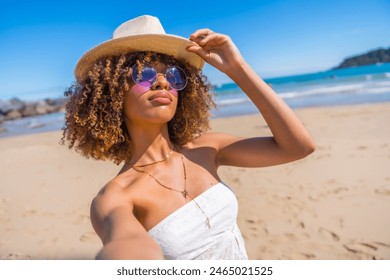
(161, 97)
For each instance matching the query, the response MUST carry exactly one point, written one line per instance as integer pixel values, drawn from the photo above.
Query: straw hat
(144, 33)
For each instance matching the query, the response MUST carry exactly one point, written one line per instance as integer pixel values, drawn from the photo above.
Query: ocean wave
(322, 90)
(368, 88)
(358, 88)
(232, 101)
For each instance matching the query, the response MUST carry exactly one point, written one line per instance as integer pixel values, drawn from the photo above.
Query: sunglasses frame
(156, 73)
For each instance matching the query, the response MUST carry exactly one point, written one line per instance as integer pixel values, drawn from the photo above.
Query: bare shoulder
(116, 192)
(113, 198)
(112, 195)
(122, 235)
(214, 140)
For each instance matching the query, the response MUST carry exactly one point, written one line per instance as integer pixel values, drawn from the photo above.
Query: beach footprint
(88, 237)
(382, 190)
(362, 250)
(329, 234)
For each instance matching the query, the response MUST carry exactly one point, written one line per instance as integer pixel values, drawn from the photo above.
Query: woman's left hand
(216, 49)
(290, 141)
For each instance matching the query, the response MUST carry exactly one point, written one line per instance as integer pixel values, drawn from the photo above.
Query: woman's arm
(290, 141)
(122, 235)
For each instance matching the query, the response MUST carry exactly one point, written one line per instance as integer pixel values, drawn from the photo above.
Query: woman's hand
(216, 49)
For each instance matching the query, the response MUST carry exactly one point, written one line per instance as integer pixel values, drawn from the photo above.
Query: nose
(161, 82)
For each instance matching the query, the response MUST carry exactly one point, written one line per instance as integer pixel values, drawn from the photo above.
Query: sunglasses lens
(176, 78)
(146, 77)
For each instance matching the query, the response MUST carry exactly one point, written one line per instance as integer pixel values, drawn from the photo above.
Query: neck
(151, 143)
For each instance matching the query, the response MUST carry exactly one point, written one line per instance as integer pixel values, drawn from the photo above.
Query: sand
(334, 204)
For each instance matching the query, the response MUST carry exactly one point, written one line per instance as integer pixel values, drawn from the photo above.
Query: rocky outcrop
(372, 57)
(16, 108)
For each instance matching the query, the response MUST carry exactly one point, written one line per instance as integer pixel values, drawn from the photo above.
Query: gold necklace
(183, 192)
(155, 162)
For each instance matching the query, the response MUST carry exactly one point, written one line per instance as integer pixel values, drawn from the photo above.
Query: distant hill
(372, 57)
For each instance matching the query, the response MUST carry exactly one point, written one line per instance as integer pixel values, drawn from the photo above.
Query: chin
(159, 117)
(162, 119)
(152, 114)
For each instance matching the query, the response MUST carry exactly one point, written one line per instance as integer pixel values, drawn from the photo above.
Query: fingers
(200, 34)
(208, 39)
(207, 42)
(199, 51)
(199, 37)
(213, 40)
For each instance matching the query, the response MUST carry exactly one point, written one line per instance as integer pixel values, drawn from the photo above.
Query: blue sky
(41, 41)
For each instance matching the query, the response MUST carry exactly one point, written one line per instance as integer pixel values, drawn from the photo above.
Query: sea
(348, 86)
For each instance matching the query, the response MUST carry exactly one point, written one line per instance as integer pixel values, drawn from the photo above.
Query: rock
(10, 105)
(54, 102)
(42, 108)
(16, 108)
(12, 115)
(29, 109)
(16, 101)
(2, 129)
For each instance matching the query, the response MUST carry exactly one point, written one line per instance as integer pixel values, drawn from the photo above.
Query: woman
(141, 99)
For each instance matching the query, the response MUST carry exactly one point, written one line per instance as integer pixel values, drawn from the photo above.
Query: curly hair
(94, 118)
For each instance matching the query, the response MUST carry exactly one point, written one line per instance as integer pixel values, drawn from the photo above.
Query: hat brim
(161, 43)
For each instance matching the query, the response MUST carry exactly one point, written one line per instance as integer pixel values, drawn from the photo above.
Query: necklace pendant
(184, 193)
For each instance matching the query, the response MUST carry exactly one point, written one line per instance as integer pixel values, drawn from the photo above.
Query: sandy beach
(334, 204)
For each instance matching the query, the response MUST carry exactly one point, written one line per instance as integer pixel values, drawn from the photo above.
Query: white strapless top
(185, 235)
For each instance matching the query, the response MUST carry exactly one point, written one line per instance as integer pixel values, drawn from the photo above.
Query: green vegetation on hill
(372, 57)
